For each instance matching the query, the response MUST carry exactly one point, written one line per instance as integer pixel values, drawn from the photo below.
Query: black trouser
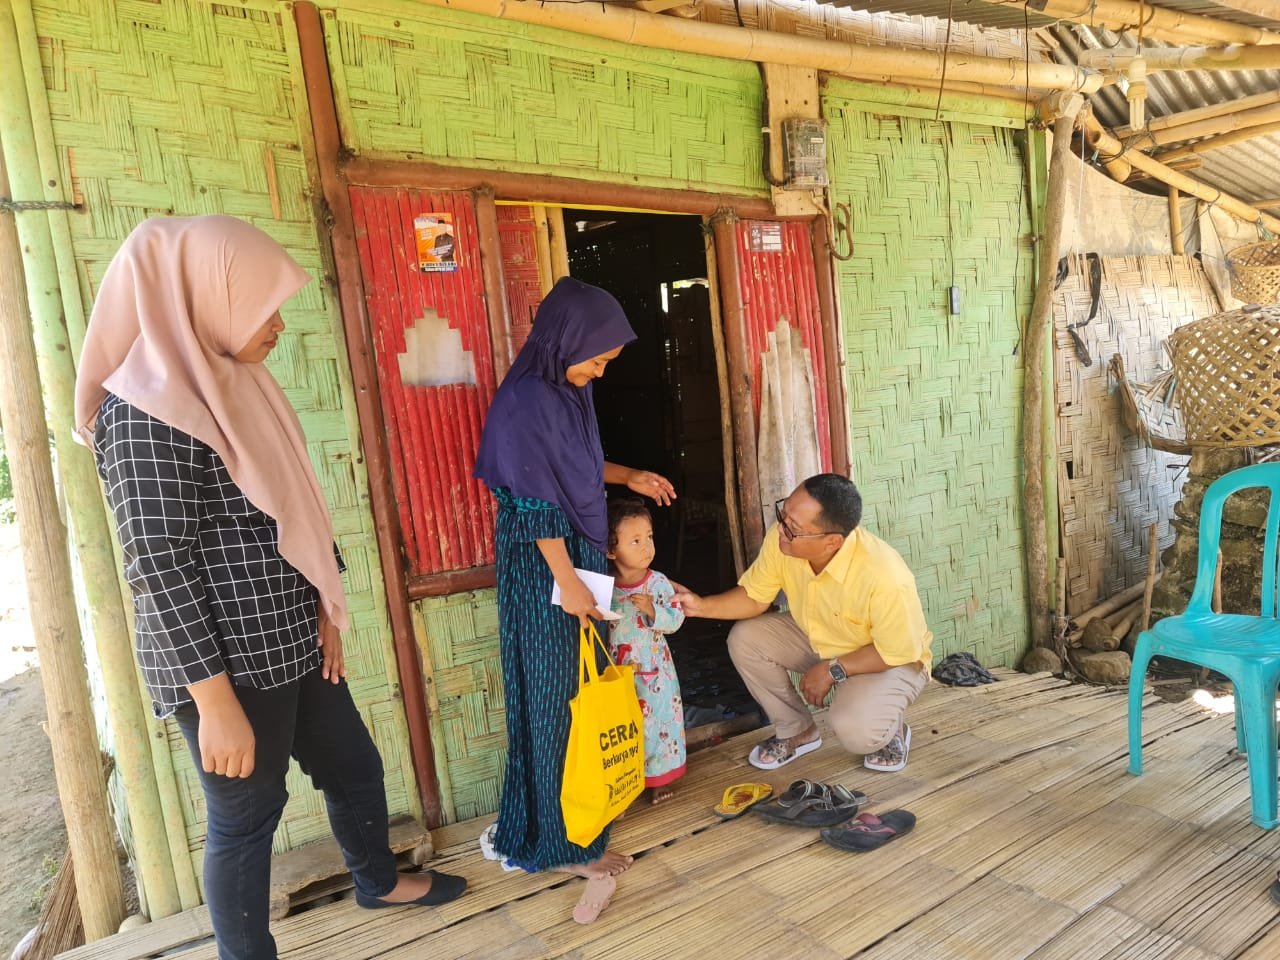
(317, 723)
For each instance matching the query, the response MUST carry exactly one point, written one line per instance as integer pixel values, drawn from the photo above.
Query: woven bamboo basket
(1228, 370)
(1255, 272)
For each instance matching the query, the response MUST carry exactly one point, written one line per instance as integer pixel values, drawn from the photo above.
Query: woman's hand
(577, 599)
(225, 736)
(655, 486)
(332, 665)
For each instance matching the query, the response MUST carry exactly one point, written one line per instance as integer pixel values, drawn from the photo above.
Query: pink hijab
(179, 299)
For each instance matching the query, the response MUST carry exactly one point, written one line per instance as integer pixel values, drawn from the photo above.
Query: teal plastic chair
(1244, 648)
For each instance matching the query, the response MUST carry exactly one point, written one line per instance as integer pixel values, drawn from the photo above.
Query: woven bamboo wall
(933, 399)
(188, 108)
(1111, 487)
(474, 91)
(469, 725)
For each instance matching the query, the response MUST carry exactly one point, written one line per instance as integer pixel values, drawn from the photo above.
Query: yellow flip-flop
(740, 798)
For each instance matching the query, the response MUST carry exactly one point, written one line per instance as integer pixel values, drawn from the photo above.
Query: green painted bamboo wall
(188, 108)
(934, 399)
(473, 91)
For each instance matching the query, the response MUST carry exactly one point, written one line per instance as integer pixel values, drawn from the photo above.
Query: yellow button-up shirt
(866, 594)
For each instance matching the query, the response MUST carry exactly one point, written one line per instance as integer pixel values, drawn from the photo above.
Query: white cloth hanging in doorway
(787, 450)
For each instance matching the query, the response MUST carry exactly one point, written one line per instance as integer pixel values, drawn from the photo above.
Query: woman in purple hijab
(540, 455)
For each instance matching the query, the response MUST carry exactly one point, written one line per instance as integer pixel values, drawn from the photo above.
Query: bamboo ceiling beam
(1157, 22)
(1217, 143)
(1107, 144)
(1195, 115)
(1211, 127)
(1268, 204)
(859, 60)
(1185, 58)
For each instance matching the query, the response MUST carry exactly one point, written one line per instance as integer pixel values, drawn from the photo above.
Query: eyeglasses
(787, 531)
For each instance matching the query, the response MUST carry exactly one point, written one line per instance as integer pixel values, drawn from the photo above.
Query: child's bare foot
(609, 865)
(660, 795)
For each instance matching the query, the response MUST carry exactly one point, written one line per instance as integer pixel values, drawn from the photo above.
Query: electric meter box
(805, 143)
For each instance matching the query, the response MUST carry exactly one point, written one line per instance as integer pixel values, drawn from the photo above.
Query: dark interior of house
(659, 408)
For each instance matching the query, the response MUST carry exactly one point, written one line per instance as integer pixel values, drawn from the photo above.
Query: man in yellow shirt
(855, 624)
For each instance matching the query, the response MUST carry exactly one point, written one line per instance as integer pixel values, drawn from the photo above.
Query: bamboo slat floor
(1033, 842)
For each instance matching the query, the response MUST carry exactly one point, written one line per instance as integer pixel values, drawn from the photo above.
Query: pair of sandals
(834, 809)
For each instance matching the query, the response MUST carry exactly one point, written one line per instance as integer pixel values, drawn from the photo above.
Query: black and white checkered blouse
(211, 593)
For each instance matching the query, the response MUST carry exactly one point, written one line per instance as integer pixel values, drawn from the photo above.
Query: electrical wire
(946, 149)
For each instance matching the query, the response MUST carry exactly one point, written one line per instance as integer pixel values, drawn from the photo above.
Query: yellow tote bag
(604, 766)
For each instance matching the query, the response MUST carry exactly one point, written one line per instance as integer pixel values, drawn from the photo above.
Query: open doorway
(660, 408)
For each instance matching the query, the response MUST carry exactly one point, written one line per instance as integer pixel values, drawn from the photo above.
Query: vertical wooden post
(724, 226)
(88, 519)
(731, 506)
(1175, 223)
(1033, 358)
(332, 191)
(829, 312)
(77, 764)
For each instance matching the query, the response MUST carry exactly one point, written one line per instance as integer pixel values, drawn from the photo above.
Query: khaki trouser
(867, 709)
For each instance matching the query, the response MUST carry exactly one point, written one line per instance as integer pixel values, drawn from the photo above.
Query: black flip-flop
(809, 804)
(870, 832)
(1274, 890)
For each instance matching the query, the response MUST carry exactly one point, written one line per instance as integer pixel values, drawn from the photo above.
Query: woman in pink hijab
(228, 548)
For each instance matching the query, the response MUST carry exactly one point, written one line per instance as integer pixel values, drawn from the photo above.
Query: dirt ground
(32, 835)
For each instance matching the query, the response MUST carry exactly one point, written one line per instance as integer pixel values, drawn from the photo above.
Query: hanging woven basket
(1228, 372)
(1255, 272)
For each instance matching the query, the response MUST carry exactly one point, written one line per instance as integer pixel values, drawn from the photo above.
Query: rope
(8, 205)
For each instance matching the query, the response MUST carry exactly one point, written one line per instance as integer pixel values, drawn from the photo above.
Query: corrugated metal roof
(1009, 17)
(1249, 170)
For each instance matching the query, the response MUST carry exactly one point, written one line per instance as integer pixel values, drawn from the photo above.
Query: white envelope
(601, 586)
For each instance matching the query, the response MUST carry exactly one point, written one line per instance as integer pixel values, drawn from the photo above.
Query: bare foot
(660, 795)
(610, 865)
(409, 886)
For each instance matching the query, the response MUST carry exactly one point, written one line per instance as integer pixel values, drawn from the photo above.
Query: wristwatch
(836, 669)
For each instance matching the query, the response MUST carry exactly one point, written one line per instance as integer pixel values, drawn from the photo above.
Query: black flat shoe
(444, 887)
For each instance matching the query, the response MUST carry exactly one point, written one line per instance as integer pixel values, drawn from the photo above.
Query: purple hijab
(540, 437)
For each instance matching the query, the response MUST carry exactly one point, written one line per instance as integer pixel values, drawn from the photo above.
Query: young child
(646, 602)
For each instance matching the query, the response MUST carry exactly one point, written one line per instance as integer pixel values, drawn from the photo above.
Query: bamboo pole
(495, 288)
(88, 521)
(1159, 59)
(1212, 126)
(1268, 204)
(1157, 22)
(635, 27)
(1108, 606)
(1217, 143)
(1149, 584)
(1107, 144)
(559, 243)
(542, 247)
(1175, 223)
(1195, 115)
(77, 763)
(1033, 396)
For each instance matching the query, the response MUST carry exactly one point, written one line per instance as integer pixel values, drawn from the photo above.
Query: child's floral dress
(637, 640)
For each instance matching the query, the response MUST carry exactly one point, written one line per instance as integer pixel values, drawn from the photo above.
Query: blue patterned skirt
(539, 670)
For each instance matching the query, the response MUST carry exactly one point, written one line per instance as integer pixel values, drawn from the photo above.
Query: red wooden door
(435, 372)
